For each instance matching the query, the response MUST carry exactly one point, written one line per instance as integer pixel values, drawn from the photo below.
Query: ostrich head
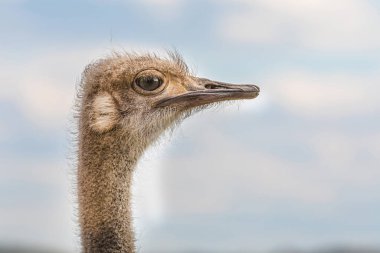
(143, 95)
(126, 102)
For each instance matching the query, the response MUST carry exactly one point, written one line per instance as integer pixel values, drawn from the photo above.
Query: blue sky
(298, 166)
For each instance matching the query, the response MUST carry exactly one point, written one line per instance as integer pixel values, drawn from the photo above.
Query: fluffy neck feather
(105, 168)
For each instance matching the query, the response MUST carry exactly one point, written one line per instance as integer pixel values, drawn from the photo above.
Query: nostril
(210, 86)
(214, 86)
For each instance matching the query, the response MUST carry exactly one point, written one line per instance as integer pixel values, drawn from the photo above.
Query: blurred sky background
(299, 167)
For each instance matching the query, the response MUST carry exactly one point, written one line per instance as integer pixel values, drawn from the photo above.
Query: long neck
(105, 169)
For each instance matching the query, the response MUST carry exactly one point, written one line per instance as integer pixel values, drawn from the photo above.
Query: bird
(125, 102)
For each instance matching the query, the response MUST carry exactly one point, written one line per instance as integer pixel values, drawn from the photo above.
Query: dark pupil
(149, 83)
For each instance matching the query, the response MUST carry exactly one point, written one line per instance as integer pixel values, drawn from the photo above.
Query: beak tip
(256, 88)
(252, 90)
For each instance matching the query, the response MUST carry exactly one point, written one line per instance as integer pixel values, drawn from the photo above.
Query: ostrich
(126, 101)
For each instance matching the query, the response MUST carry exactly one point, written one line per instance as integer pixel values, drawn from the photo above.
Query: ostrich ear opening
(104, 113)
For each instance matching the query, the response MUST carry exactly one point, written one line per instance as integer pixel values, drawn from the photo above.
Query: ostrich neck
(105, 167)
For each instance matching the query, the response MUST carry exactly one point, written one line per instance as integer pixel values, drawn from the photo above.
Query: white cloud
(324, 95)
(225, 172)
(341, 25)
(43, 85)
(221, 175)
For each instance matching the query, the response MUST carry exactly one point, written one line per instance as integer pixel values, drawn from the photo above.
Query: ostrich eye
(149, 83)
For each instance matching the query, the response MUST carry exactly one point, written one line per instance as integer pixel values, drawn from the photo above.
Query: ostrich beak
(207, 92)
